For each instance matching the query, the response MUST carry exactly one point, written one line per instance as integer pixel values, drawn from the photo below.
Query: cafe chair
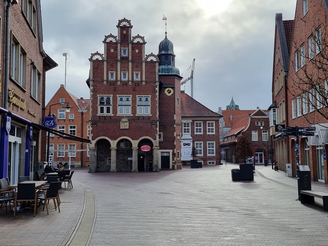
(68, 180)
(25, 193)
(6, 193)
(51, 193)
(23, 178)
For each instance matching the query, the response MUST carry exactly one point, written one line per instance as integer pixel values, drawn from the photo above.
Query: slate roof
(192, 108)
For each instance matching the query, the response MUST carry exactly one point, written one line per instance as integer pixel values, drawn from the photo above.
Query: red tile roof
(238, 127)
(236, 115)
(192, 108)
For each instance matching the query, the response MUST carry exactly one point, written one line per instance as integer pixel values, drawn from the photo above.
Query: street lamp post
(82, 111)
(67, 107)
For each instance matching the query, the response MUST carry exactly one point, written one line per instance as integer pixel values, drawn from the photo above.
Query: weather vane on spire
(165, 19)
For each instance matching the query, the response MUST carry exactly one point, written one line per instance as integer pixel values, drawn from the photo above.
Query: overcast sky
(231, 41)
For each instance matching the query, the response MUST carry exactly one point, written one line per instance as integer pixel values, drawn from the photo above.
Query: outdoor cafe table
(52, 174)
(37, 183)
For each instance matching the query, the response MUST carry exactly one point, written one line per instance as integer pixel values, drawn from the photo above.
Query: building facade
(73, 121)
(135, 112)
(255, 128)
(22, 97)
(307, 88)
(200, 132)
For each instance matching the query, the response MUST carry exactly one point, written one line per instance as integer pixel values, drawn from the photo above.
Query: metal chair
(51, 193)
(25, 193)
(68, 180)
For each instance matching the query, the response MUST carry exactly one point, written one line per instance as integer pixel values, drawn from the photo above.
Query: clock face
(168, 91)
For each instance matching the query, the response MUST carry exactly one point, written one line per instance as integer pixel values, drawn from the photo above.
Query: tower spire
(165, 19)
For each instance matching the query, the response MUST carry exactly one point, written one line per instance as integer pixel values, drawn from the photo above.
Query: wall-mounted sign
(145, 148)
(124, 124)
(16, 99)
(49, 121)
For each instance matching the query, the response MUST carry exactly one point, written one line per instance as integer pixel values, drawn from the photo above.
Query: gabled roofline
(283, 41)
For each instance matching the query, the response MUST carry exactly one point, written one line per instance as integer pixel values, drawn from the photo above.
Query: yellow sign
(16, 99)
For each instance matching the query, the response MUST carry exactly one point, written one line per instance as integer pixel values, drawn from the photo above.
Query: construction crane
(191, 78)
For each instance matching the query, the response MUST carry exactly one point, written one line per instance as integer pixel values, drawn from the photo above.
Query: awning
(320, 135)
(61, 134)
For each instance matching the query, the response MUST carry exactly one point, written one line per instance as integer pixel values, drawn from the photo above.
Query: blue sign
(324, 156)
(8, 124)
(49, 121)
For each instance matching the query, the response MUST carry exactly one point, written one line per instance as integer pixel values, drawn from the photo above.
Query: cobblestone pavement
(203, 207)
(177, 207)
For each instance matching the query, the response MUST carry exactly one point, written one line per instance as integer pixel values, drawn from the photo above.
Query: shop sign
(16, 99)
(145, 148)
(49, 121)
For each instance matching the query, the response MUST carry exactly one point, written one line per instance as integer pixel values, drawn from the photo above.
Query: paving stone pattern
(176, 207)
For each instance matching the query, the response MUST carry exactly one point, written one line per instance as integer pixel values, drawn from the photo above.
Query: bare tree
(243, 148)
(309, 86)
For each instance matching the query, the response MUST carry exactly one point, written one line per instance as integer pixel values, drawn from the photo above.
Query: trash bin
(246, 171)
(235, 175)
(303, 178)
(195, 164)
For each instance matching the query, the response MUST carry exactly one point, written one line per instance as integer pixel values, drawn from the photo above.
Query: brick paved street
(202, 207)
(178, 207)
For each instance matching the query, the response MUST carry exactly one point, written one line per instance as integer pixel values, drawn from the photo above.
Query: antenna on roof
(165, 19)
(65, 54)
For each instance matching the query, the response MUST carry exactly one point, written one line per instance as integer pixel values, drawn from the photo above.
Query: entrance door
(141, 163)
(15, 144)
(259, 158)
(321, 174)
(165, 160)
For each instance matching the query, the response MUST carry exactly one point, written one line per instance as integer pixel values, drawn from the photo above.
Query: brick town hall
(135, 105)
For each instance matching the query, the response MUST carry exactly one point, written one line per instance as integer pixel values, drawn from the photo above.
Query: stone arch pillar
(155, 159)
(134, 159)
(113, 159)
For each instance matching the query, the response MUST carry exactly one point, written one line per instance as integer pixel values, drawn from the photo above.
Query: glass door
(14, 156)
(321, 174)
(259, 158)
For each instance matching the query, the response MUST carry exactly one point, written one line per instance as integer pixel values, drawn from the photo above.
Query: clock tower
(169, 106)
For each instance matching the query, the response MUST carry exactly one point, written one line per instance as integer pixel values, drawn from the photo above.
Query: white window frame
(71, 116)
(61, 114)
(137, 76)
(125, 52)
(186, 126)
(143, 105)
(293, 108)
(124, 76)
(18, 63)
(211, 149)
(319, 96)
(60, 150)
(254, 136)
(302, 50)
(72, 130)
(311, 47)
(104, 105)
(61, 100)
(88, 130)
(61, 128)
(305, 7)
(265, 135)
(72, 150)
(311, 100)
(111, 75)
(297, 62)
(199, 148)
(318, 40)
(305, 103)
(210, 127)
(299, 106)
(35, 83)
(211, 162)
(198, 127)
(124, 105)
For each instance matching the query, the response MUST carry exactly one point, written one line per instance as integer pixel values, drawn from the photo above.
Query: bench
(307, 196)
